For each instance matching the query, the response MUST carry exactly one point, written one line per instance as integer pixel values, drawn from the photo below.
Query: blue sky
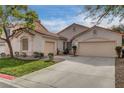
(53, 12)
(57, 17)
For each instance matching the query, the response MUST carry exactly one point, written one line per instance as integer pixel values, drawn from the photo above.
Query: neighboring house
(94, 41)
(38, 40)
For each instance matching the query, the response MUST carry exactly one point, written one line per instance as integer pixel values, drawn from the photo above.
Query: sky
(57, 17)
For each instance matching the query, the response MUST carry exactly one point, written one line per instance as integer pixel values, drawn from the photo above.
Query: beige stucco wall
(36, 43)
(106, 49)
(16, 43)
(102, 35)
(69, 32)
(2, 47)
(60, 44)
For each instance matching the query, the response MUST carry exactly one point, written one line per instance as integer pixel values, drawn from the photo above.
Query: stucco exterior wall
(60, 44)
(2, 47)
(35, 43)
(101, 35)
(16, 43)
(71, 31)
(38, 43)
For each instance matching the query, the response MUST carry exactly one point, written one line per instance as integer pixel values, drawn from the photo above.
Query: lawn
(17, 67)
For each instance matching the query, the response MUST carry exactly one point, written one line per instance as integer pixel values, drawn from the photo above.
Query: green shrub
(3, 54)
(66, 51)
(51, 56)
(38, 55)
(74, 50)
(35, 54)
(118, 51)
(16, 53)
(23, 54)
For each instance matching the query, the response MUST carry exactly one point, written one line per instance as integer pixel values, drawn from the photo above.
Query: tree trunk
(10, 48)
(8, 42)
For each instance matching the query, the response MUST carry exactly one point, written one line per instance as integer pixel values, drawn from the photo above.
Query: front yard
(17, 67)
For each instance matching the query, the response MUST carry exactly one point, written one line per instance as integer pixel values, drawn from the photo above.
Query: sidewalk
(4, 83)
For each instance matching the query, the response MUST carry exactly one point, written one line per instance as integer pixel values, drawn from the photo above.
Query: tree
(119, 28)
(10, 17)
(99, 12)
(118, 51)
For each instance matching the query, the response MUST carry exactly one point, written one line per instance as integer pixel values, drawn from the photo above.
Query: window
(69, 45)
(24, 44)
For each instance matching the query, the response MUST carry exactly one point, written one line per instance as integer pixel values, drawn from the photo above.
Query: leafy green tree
(99, 12)
(10, 17)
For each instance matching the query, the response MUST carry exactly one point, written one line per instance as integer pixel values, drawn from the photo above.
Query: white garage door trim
(97, 48)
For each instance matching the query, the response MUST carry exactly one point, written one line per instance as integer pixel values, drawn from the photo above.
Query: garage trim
(102, 53)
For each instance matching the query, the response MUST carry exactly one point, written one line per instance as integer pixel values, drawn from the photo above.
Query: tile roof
(39, 28)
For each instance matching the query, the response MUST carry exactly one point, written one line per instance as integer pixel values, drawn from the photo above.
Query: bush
(38, 55)
(74, 50)
(23, 54)
(41, 55)
(58, 51)
(66, 51)
(17, 54)
(51, 56)
(122, 53)
(74, 47)
(118, 51)
(3, 54)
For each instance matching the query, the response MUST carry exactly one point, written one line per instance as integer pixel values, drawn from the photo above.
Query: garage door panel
(49, 47)
(106, 49)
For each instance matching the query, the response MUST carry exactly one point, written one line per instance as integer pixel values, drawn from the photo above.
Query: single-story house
(94, 41)
(38, 40)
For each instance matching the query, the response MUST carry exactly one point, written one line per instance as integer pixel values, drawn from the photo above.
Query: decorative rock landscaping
(119, 73)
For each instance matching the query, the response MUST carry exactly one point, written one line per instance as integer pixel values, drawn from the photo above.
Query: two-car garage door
(104, 49)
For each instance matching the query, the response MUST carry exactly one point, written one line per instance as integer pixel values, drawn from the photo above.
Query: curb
(9, 83)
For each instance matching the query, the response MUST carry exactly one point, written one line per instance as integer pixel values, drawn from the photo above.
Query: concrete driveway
(74, 72)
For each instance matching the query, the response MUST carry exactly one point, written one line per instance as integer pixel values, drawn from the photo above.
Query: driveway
(74, 72)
